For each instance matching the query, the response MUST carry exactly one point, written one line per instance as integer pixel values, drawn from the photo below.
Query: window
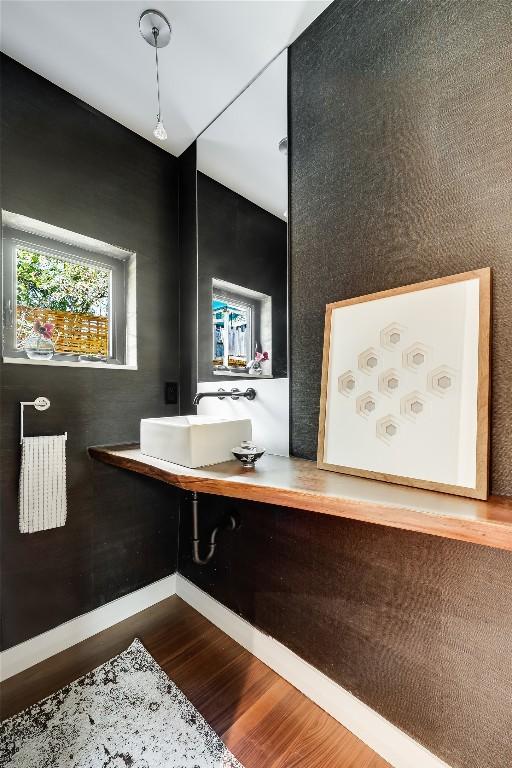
(241, 327)
(81, 292)
(232, 332)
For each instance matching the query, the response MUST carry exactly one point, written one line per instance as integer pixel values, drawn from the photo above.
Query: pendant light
(156, 30)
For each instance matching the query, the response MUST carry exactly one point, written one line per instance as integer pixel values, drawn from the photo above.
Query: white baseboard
(383, 737)
(41, 647)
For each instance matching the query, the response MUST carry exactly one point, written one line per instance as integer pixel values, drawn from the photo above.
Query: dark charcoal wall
(240, 242)
(416, 626)
(188, 278)
(66, 164)
(401, 148)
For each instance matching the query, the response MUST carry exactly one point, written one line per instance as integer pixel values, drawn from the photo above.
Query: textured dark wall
(401, 171)
(401, 147)
(239, 242)
(68, 165)
(416, 626)
(188, 278)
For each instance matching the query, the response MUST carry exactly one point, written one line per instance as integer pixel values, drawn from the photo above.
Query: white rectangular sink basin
(193, 441)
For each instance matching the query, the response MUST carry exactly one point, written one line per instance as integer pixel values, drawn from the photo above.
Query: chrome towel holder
(40, 404)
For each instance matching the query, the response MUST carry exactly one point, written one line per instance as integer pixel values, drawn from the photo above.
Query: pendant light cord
(155, 35)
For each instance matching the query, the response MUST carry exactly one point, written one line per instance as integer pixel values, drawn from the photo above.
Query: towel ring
(40, 404)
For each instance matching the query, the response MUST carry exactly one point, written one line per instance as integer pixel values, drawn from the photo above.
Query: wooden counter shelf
(296, 483)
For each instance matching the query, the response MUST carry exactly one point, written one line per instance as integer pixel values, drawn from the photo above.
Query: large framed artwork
(405, 385)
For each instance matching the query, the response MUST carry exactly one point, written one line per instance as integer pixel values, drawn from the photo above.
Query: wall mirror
(242, 202)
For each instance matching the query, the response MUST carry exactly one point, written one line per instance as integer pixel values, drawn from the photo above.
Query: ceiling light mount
(151, 20)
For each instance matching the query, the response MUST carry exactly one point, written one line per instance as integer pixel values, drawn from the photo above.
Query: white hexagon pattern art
(392, 335)
(366, 404)
(389, 382)
(368, 360)
(441, 381)
(405, 372)
(347, 383)
(415, 357)
(387, 428)
(413, 405)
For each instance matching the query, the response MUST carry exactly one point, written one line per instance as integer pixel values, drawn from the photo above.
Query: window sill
(69, 363)
(241, 375)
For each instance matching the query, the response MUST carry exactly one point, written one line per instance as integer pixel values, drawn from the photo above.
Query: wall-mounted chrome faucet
(234, 394)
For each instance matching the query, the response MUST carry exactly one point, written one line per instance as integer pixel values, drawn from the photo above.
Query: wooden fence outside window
(74, 333)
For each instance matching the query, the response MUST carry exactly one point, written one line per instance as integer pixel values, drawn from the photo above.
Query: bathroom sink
(193, 441)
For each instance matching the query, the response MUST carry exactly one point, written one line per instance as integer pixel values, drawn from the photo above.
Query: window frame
(245, 303)
(12, 239)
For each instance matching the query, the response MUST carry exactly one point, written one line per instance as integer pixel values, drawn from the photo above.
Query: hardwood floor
(263, 720)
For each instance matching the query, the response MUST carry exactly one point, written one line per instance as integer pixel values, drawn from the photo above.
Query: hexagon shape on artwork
(389, 382)
(368, 360)
(387, 428)
(415, 357)
(392, 335)
(441, 381)
(347, 383)
(366, 404)
(413, 405)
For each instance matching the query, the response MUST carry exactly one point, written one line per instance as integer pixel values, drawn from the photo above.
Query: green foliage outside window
(49, 282)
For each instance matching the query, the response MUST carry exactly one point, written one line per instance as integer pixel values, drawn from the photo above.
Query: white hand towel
(43, 483)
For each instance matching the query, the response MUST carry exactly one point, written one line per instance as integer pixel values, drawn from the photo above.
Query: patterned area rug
(124, 714)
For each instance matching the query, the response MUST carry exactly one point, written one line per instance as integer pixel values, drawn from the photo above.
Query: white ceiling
(93, 49)
(241, 148)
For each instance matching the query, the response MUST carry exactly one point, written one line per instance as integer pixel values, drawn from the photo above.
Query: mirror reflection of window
(232, 334)
(241, 330)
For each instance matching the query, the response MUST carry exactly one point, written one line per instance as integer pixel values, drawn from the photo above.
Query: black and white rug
(125, 714)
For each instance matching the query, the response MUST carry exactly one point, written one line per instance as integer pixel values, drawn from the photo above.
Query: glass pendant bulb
(159, 131)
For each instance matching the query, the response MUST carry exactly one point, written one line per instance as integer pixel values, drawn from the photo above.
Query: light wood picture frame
(406, 385)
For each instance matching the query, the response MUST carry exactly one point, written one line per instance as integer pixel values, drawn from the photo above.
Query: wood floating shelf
(299, 484)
